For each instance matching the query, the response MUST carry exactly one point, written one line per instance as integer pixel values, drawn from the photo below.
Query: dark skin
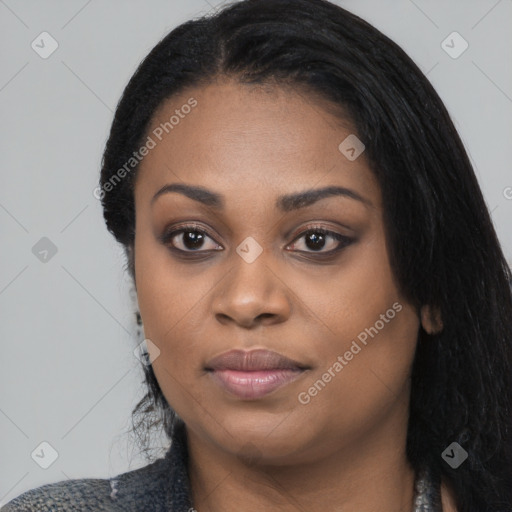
(345, 448)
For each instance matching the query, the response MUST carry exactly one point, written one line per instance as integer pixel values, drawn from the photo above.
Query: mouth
(254, 374)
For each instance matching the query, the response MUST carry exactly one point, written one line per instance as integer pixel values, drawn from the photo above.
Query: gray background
(68, 373)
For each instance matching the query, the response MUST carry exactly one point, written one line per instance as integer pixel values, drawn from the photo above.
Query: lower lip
(255, 384)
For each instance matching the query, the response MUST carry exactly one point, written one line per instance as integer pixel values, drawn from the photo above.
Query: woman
(325, 303)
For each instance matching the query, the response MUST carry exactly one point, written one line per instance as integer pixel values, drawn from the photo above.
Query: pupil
(192, 239)
(315, 241)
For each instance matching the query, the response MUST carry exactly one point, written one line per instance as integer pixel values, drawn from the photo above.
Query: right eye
(189, 239)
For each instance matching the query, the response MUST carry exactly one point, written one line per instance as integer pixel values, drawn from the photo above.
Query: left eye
(317, 239)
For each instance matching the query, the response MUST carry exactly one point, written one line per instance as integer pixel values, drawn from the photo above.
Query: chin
(262, 437)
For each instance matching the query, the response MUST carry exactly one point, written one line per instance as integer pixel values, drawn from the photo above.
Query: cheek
(171, 299)
(345, 299)
(167, 290)
(168, 302)
(359, 384)
(164, 296)
(370, 338)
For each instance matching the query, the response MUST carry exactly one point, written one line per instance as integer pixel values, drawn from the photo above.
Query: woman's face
(253, 272)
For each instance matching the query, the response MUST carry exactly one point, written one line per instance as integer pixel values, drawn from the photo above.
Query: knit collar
(178, 498)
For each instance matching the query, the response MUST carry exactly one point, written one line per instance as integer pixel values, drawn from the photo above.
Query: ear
(431, 319)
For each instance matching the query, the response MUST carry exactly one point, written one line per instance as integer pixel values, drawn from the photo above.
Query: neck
(373, 475)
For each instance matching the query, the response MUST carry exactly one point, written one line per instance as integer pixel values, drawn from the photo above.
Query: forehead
(235, 137)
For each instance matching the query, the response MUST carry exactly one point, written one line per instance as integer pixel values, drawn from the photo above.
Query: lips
(255, 360)
(254, 374)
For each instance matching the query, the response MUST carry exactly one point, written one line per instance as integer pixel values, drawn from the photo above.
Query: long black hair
(443, 248)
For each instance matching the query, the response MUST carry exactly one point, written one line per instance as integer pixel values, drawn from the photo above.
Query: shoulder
(140, 489)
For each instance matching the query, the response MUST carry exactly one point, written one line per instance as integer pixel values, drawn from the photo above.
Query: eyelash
(167, 237)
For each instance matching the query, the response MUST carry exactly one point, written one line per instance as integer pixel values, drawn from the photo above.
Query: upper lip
(253, 360)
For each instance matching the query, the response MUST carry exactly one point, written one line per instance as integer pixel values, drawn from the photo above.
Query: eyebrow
(285, 203)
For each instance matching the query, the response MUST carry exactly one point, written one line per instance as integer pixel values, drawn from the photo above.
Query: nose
(251, 294)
